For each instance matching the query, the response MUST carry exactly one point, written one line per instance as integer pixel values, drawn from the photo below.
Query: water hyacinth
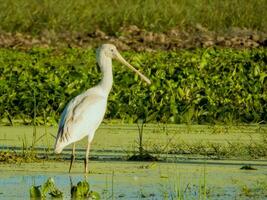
(197, 86)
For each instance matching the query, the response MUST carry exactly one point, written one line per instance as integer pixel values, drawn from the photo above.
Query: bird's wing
(73, 111)
(67, 112)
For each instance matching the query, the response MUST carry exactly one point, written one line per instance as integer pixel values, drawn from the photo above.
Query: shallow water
(136, 180)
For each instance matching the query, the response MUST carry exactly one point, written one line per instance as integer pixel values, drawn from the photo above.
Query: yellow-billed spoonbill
(84, 113)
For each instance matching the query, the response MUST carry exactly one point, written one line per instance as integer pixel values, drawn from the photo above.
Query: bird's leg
(87, 158)
(72, 156)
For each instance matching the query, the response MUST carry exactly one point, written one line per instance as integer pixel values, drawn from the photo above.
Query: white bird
(84, 113)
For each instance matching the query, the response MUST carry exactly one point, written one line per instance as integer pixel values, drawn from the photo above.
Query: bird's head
(110, 51)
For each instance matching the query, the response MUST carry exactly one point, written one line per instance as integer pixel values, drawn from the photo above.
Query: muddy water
(134, 180)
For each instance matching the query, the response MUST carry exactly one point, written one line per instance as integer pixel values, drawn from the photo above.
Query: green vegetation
(8, 156)
(81, 191)
(248, 167)
(224, 88)
(142, 154)
(137, 180)
(257, 190)
(40, 192)
(198, 86)
(84, 16)
(164, 143)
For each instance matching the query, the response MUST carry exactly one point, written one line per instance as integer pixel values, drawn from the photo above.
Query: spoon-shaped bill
(123, 61)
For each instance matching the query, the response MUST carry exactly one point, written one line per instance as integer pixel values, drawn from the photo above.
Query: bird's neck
(105, 64)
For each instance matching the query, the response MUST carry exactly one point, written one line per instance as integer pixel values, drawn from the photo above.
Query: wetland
(204, 134)
(202, 175)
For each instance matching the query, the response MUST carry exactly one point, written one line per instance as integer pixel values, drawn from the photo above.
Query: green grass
(36, 17)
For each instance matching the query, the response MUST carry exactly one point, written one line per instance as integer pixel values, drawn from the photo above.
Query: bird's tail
(58, 148)
(62, 141)
(59, 145)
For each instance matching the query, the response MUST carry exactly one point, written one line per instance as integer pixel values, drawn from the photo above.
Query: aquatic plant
(82, 191)
(9, 156)
(197, 86)
(258, 190)
(178, 187)
(142, 154)
(248, 167)
(40, 192)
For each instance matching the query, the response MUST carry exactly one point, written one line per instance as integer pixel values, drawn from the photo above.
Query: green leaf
(94, 195)
(35, 192)
(81, 190)
(56, 193)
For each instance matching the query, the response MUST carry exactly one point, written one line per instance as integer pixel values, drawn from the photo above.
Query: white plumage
(81, 117)
(84, 113)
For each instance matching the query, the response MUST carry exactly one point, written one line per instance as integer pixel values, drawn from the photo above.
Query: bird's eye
(112, 50)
